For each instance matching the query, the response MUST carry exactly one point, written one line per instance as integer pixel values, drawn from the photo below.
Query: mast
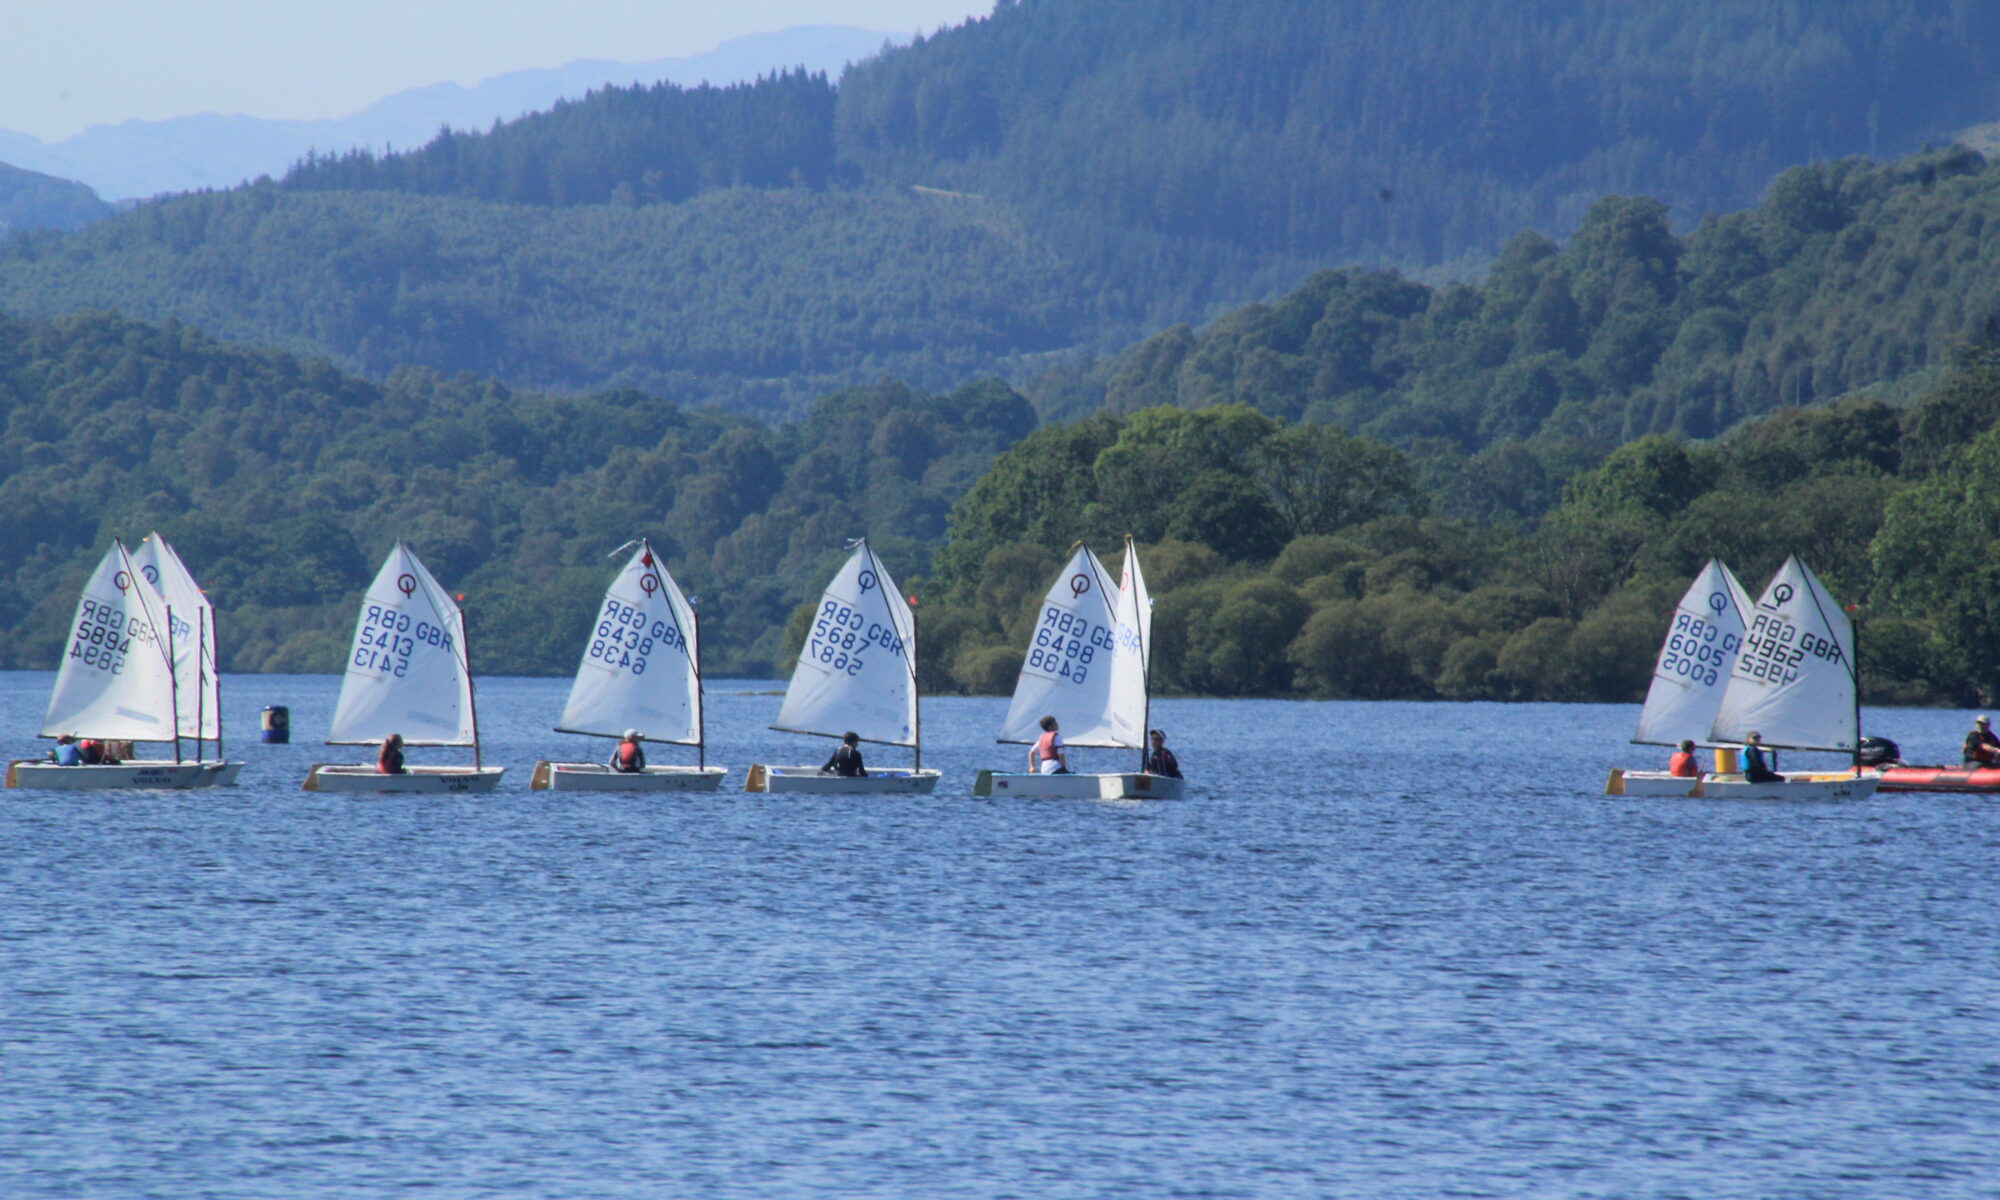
(471, 695)
(218, 694)
(176, 692)
(1145, 660)
(916, 693)
(700, 694)
(200, 680)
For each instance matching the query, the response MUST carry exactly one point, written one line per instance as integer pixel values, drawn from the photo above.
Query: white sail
(192, 621)
(1794, 680)
(1133, 654)
(640, 668)
(1071, 663)
(857, 669)
(1695, 660)
(116, 681)
(407, 670)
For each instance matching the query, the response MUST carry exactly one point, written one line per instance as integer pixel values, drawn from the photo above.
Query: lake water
(1380, 950)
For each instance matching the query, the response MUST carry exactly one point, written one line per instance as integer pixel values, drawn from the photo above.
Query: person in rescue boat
(1755, 768)
(629, 757)
(1682, 764)
(1982, 749)
(1046, 756)
(845, 761)
(1161, 761)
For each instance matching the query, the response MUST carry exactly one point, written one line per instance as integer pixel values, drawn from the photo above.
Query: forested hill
(1064, 173)
(1849, 275)
(284, 481)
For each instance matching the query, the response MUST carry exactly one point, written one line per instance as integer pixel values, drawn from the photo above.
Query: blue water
(1381, 950)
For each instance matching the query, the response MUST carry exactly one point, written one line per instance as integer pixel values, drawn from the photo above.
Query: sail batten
(117, 678)
(407, 672)
(640, 668)
(856, 671)
(1794, 682)
(1695, 661)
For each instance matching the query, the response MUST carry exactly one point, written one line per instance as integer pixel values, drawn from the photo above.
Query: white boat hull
(597, 777)
(142, 775)
(809, 780)
(1825, 785)
(225, 772)
(1129, 785)
(360, 778)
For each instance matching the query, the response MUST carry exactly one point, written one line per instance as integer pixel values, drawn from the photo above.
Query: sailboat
(116, 684)
(1689, 677)
(641, 670)
(1793, 682)
(407, 674)
(192, 632)
(1087, 667)
(857, 672)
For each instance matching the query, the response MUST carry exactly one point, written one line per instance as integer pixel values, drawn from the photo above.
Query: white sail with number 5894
(640, 674)
(1086, 672)
(115, 684)
(408, 676)
(857, 673)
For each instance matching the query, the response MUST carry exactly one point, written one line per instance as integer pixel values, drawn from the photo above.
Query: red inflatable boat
(1940, 779)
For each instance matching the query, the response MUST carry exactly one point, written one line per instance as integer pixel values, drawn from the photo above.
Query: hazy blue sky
(65, 64)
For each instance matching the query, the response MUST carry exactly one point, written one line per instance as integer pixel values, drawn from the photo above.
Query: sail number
(1065, 645)
(104, 636)
(388, 638)
(625, 638)
(841, 637)
(1775, 647)
(1697, 650)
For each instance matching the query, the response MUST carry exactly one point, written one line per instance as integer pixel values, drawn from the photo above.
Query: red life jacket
(1045, 746)
(1682, 765)
(628, 756)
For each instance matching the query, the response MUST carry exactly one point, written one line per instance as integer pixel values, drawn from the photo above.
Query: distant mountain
(31, 200)
(146, 158)
(1063, 176)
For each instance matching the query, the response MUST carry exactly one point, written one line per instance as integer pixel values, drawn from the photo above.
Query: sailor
(1162, 761)
(95, 753)
(1982, 749)
(67, 754)
(390, 760)
(846, 758)
(629, 757)
(1682, 764)
(1046, 756)
(1755, 768)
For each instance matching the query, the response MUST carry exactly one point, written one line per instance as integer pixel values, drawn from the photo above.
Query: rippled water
(1381, 950)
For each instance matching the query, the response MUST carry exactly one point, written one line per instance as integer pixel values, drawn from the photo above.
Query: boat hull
(1941, 779)
(1129, 785)
(596, 777)
(763, 778)
(359, 778)
(225, 772)
(1828, 785)
(143, 775)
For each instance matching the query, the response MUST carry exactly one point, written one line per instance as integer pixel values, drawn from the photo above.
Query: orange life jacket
(1682, 765)
(628, 756)
(1045, 746)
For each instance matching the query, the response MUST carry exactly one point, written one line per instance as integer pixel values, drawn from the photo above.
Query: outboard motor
(1879, 752)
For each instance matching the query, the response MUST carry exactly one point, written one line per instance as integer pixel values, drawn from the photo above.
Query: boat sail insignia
(407, 675)
(1792, 682)
(1086, 666)
(116, 684)
(857, 673)
(641, 671)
